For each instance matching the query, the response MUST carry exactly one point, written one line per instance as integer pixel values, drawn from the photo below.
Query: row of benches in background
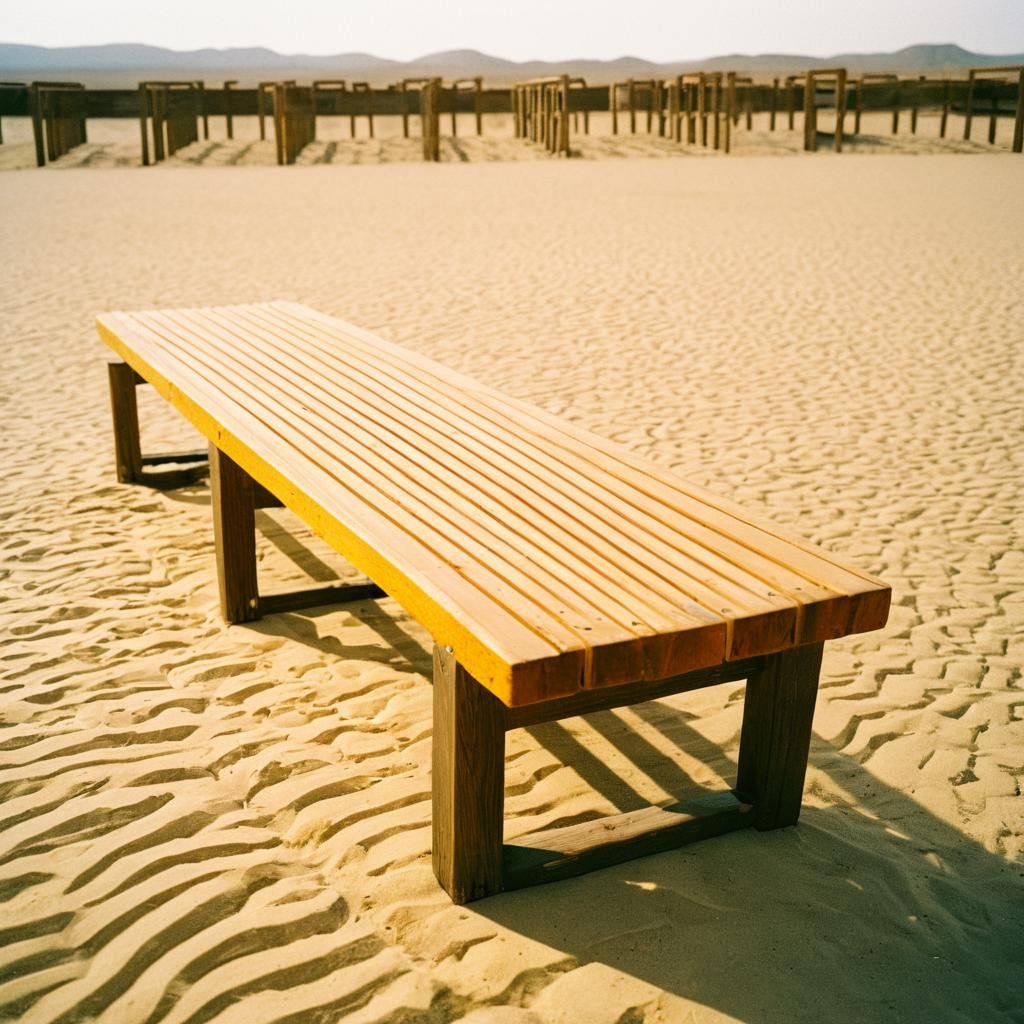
(699, 108)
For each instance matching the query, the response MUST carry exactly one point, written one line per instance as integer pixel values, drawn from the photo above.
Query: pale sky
(659, 30)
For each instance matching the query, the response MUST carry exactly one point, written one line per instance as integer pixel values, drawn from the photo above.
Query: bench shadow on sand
(872, 909)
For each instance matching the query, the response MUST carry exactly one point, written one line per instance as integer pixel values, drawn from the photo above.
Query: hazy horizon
(401, 30)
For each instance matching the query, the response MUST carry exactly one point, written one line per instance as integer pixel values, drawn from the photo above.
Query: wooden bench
(557, 573)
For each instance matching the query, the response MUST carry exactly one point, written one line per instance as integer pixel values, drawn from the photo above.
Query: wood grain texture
(776, 734)
(586, 701)
(550, 559)
(234, 533)
(565, 852)
(468, 764)
(125, 414)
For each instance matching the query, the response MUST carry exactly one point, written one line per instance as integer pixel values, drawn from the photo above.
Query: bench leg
(125, 411)
(468, 782)
(235, 497)
(132, 466)
(776, 735)
(234, 535)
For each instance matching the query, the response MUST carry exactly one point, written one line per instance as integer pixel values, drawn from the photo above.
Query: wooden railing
(540, 112)
(698, 108)
(973, 76)
(172, 110)
(58, 118)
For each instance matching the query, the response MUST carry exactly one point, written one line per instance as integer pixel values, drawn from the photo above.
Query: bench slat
(608, 456)
(827, 597)
(547, 557)
(633, 582)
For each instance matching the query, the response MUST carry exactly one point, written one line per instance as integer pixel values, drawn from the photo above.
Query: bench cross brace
(132, 466)
(471, 859)
(236, 496)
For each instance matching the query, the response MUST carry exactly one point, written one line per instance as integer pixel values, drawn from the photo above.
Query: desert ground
(202, 823)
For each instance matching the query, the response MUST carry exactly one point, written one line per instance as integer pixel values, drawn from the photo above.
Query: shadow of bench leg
(468, 782)
(234, 535)
(125, 411)
(776, 735)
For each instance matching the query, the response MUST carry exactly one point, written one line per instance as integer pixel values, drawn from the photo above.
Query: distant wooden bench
(557, 573)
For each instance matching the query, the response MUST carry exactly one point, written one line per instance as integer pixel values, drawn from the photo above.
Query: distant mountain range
(120, 65)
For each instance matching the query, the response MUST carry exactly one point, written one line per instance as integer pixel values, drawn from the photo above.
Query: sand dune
(201, 823)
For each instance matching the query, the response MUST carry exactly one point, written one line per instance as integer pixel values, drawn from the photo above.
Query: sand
(202, 823)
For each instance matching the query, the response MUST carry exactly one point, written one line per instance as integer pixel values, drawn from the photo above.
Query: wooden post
(691, 122)
(563, 127)
(260, 112)
(280, 122)
(673, 110)
(1018, 121)
(858, 100)
(201, 88)
(468, 771)
(234, 536)
(369, 107)
(840, 107)
(716, 107)
(158, 108)
(430, 119)
(775, 738)
(790, 100)
(896, 100)
(227, 107)
(914, 101)
(631, 100)
(944, 120)
(730, 108)
(143, 122)
(810, 118)
(702, 112)
(613, 103)
(969, 106)
(125, 413)
(37, 123)
(478, 104)
(775, 103)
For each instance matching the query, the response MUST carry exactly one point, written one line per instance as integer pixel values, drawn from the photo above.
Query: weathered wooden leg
(468, 782)
(776, 735)
(234, 534)
(125, 410)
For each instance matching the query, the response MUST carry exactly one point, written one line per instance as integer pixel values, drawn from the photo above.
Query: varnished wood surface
(604, 698)
(775, 739)
(234, 535)
(468, 785)
(549, 559)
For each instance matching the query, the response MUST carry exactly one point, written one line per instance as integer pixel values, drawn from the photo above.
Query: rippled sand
(201, 823)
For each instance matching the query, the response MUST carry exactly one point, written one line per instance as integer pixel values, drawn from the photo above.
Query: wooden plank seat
(557, 572)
